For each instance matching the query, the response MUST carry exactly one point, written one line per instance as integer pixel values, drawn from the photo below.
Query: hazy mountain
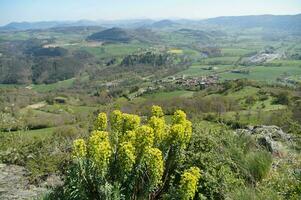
(30, 25)
(131, 23)
(164, 24)
(19, 26)
(282, 22)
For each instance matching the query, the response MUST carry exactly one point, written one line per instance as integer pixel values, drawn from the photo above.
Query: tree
(127, 160)
(282, 98)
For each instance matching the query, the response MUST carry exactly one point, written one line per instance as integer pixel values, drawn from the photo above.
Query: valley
(227, 74)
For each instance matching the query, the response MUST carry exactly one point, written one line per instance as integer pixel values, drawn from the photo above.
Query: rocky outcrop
(270, 137)
(14, 184)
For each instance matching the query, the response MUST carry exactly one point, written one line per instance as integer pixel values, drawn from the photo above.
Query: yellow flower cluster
(99, 149)
(181, 129)
(130, 122)
(131, 142)
(158, 125)
(128, 136)
(126, 155)
(154, 162)
(189, 182)
(79, 148)
(116, 121)
(101, 122)
(157, 111)
(144, 137)
(188, 130)
(179, 117)
(177, 132)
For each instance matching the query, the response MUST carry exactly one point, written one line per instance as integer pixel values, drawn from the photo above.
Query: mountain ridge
(247, 21)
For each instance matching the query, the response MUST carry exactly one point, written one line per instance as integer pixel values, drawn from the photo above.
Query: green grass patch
(54, 86)
(232, 52)
(168, 95)
(110, 50)
(267, 74)
(220, 60)
(202, 70)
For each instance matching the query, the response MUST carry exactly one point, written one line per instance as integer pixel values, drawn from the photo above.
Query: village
(191, 82)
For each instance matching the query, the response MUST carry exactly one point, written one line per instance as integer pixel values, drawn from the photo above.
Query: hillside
(123, 35)
(151, 109)
(280, 22)
(164, 24)
(22, 26)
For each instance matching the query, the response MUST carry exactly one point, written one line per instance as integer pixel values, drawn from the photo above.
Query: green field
(111, 50)
(220, 60)
(267, 74)
(169, 95)
(233, 52)
(201, 70)
(54, 86)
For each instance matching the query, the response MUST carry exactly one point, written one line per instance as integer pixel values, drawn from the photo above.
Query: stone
(15, 186)
(269, 137)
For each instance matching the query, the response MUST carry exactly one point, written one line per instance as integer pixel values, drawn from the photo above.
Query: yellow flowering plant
(188, 183)
(101, 122)
(99, 149)
(157, 111)
(154, 162)
(79, 148)
(127, 157)
(139, 159)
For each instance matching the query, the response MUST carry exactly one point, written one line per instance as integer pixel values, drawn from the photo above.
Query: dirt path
(37, 105)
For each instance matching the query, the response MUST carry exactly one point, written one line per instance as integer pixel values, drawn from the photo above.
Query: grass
(169, 95)
(267, 74)
(243, 93)
(220, 60)
(176, 51)
(195, 70)
(39, 133)
(4, 86)
(68, 108)
(235, 52)
(111, 50)
(200, 70)
(54, 86)
(15, 36)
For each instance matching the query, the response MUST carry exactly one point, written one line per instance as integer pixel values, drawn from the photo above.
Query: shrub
(282, 98)
(131, 160)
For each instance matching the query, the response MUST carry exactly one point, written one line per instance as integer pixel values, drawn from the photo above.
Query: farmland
(54, 82)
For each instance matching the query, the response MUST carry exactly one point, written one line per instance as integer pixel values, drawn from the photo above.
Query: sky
(48, 10)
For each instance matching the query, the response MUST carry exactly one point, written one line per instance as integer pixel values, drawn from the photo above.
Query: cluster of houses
(202, 82)
(191, 82)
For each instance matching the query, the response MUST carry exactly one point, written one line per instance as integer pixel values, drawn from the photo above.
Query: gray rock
(52, 181)
(269, 137)
(15, 186)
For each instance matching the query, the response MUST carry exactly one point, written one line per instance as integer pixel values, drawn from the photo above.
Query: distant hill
(135, 23)
(164, 24)
(21, 26)
(77, 29)
(124, 35)
(194, 33)
(112, 35)
(281, 22)
(18, 26)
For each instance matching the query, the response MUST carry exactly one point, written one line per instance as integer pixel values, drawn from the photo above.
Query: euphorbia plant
(130, 160)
